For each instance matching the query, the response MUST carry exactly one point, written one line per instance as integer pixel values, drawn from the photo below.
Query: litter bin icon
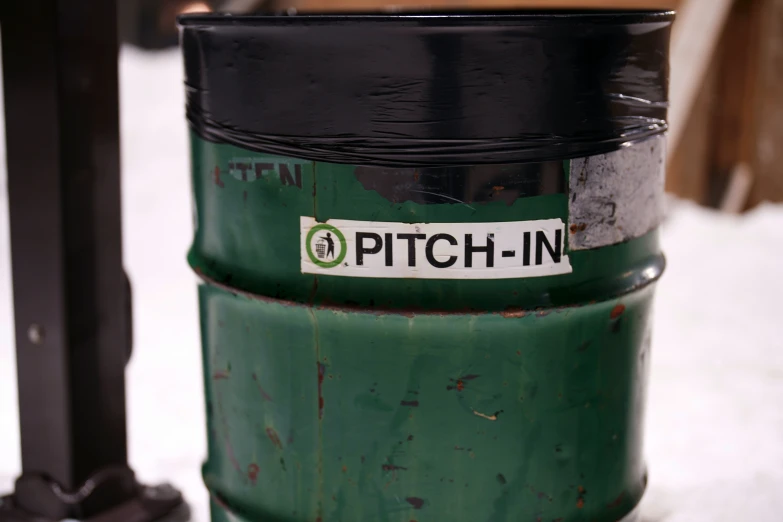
(320, 248)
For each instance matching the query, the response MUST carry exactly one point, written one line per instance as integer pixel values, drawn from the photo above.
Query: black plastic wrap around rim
(427, 89)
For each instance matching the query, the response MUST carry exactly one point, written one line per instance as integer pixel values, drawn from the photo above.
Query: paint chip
(617, 311)
(485, 416)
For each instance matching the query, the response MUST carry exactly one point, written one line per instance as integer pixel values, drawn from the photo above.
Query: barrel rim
(646, 281)
(531, 17)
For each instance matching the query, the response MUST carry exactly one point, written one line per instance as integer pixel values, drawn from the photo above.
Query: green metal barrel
(428, 245)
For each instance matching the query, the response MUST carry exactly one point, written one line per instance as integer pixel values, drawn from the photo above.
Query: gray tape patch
(617, 196)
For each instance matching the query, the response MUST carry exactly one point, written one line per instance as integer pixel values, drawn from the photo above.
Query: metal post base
(112, 495)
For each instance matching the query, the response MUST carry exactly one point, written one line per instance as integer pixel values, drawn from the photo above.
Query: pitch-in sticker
(505, 250)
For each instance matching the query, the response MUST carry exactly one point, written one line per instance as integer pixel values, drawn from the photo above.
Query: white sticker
(507, 250)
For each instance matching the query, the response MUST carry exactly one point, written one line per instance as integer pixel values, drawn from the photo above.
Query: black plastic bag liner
(428, 89)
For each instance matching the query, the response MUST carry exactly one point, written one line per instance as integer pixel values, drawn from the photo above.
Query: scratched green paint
(317, 413)
(566, 389)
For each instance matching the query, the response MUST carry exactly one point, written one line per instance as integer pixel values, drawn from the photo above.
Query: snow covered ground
(715, 415)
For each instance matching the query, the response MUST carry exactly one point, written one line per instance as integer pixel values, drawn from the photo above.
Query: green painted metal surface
(323, 414)
(247, 237)
(339, 399)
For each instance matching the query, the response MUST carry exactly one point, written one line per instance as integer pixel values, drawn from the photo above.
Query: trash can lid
(426, 89)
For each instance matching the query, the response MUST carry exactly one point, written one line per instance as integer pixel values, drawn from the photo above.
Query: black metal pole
(66, 239)
(71, 297)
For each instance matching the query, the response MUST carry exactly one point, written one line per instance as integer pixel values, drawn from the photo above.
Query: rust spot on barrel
(272, 434)
(221, 375)
(460, 382)
(321, 372)
(252, 473)
(617, 311)
(580, 502)
(577, 227)
(392, 467)
(416, 502)
(513, 313)
(216, 177)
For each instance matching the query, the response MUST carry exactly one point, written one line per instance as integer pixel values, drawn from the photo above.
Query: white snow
(715, 411)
